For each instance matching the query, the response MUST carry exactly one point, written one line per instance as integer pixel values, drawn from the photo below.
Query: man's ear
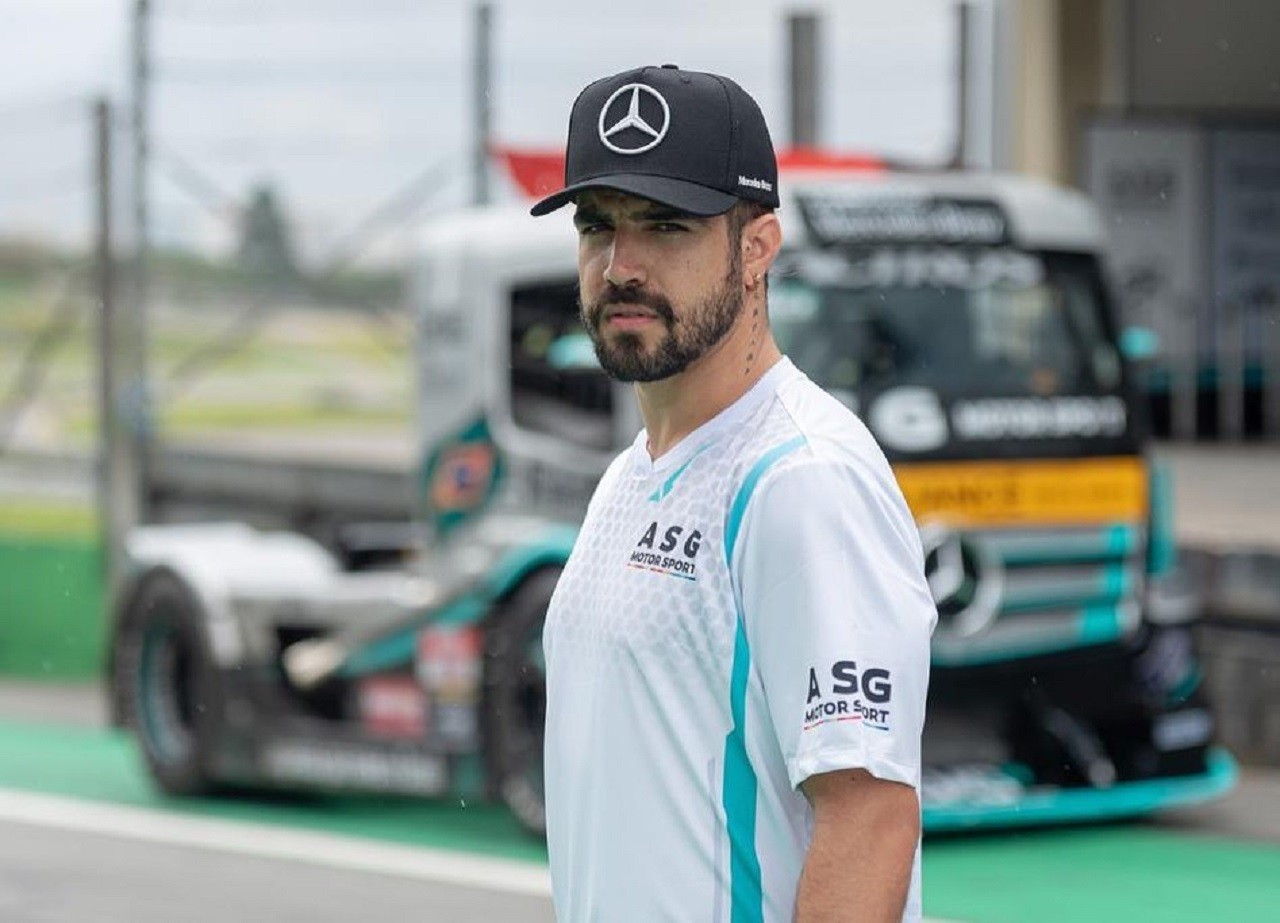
(761, 241)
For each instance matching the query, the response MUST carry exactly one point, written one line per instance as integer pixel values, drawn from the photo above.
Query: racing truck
(966, 318)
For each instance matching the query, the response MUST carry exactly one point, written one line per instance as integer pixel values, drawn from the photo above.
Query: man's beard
(625, 357)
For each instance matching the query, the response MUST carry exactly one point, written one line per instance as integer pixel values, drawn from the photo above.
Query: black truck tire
(166, 684)
(515, 699)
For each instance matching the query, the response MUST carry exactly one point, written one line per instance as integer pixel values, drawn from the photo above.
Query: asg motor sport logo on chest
(844, 693)
(670, 550)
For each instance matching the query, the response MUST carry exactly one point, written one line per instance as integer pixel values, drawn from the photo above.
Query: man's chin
(623, 370)
(630, 365)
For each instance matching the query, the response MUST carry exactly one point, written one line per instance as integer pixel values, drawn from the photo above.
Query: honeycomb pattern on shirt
(609, 607)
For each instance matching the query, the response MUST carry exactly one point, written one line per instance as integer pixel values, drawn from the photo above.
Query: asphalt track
(53, 875)
(83, 836)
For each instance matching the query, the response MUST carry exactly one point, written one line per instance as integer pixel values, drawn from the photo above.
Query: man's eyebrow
(665, 213)
(587, 214)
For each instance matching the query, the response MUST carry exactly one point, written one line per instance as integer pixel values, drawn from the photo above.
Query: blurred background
(209, 208)
(270, 164)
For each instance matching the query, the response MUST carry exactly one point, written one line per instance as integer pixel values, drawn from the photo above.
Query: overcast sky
(339, 103)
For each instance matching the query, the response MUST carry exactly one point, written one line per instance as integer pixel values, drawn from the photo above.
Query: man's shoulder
(829, 478)
(816, 455)
(803, 436)
(821, 430)
(619, 462)
(611, 477)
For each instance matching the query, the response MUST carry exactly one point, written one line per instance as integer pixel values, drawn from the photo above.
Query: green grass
(335, 338)
(52, 618)
(46, 519)
(193, 418)
(304, 369)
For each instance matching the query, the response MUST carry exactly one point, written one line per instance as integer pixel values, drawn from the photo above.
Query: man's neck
(676, 406)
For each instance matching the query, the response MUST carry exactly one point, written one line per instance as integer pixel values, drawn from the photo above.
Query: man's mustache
(615, 294)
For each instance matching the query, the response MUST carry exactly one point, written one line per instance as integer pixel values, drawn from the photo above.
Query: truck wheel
(166, 684)
(515, 699)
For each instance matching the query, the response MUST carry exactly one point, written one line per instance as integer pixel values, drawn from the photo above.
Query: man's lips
(628, 310)
(629, 315)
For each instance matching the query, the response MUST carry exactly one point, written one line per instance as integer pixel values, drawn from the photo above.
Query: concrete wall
(1060, 60)
(1039, 89)
(1195, 54)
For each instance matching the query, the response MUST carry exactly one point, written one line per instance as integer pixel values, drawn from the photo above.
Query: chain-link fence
(288, 152)
(47, 196)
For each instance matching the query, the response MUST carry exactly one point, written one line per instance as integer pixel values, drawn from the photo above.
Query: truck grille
(1060, 588)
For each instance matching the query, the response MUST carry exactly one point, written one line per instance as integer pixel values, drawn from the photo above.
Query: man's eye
(669, 227)
(592, 227)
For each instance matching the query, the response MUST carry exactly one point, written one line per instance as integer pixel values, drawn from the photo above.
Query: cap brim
(675, 193)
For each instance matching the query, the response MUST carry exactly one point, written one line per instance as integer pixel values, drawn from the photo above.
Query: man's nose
(626, 266)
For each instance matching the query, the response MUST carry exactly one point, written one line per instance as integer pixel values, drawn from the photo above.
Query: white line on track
(268, 842)
(264, 841)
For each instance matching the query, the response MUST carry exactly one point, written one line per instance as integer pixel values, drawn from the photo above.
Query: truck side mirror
(1139, 344)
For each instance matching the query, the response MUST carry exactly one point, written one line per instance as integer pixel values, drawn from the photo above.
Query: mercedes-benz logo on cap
(966, 580)
(629, 112)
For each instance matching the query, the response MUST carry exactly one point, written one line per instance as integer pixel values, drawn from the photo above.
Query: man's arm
(864, 841)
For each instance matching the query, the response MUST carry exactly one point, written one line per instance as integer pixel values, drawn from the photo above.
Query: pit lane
(76, 806)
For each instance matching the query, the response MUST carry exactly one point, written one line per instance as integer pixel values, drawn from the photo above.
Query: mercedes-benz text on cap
(693, 141)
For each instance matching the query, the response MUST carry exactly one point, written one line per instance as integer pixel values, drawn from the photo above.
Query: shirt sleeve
(838, 616)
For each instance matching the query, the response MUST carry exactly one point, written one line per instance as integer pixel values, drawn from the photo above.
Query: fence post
(1230, 355)
(117, 469)
(1269, 313)
(804, 84)
(1184, 375)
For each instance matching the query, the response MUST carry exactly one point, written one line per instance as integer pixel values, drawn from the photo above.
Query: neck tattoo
(755, 340)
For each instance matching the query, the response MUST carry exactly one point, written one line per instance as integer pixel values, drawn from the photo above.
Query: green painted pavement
(1096, 874)
(105, 766)
(1125, 873)
(51, 621)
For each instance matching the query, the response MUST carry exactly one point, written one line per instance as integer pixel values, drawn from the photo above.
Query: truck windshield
(995, 322)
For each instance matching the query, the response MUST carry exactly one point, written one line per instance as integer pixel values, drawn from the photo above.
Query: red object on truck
(539, 172)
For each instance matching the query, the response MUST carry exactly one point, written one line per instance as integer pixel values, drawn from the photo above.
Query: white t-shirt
(745, 612)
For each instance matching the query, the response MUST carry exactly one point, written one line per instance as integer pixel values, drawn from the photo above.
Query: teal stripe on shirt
(739, 795)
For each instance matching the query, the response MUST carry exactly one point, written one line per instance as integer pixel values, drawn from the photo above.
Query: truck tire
(515, 699)
(166, 684)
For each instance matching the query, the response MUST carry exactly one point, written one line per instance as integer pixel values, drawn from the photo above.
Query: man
(738, 649)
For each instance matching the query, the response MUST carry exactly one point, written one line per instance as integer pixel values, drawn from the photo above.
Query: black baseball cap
(692, 141)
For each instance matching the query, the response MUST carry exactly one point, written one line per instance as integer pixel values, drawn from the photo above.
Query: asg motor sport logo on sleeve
(844, 693)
